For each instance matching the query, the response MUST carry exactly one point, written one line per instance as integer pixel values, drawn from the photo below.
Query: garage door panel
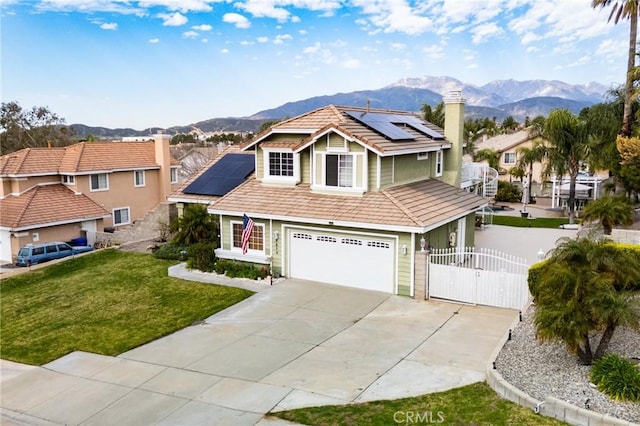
(350, 260)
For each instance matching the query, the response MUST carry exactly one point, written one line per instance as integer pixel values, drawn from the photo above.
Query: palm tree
(568, 146)
(491, 156)
(433, 115)
(609, 212)
(528, 156)
(586, 287)
(196, 225)
(625, 9)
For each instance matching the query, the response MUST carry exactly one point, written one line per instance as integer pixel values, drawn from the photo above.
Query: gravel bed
(546, 369)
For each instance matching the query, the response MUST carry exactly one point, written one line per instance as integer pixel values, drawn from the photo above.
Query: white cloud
(224, 51)
(205, 40)
(173, 19)
(275, 9)
(246, 43)
(236, 19)
(90, 6)
(183, 6)
(109, 26)
(351, 64)
(281, 38)
(154, 40)
(203, 27)
(483, 32)
(312, 49)
(302, 32)
(398, 46)
(190, 34)
(263, 39)
(393, 16)
(434, 52)
(295, 19)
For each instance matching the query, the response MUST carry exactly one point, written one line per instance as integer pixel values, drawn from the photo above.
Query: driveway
(296, 344)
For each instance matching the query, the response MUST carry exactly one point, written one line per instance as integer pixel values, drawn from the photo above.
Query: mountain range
(499, 99)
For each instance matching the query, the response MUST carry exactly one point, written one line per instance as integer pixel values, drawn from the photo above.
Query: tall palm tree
(528, 156)
(433, 115)
(568, 139)
(586, 287)
(609, 211)
(625, 9)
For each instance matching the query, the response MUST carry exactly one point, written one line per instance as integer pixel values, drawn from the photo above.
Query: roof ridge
(22, 159)
(398, 204)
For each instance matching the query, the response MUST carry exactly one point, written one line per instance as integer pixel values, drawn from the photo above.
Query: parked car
(32, 254)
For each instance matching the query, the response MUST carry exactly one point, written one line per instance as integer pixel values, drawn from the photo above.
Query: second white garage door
(344, 259)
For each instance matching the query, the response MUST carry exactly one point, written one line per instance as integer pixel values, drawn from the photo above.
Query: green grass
(106, 302)
(539, 222)
(475, 404)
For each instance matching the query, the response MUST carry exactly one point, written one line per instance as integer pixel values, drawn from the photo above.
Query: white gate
(483, 277)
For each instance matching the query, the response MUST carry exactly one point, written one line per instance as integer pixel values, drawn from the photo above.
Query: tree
(37, 127)
(434, 116)
(196, 225)
(528, 156)
(625, 9)
(609, 211)
(586, 287)
(491, 156)
(629, 170)
(568, 147)
(509, 125)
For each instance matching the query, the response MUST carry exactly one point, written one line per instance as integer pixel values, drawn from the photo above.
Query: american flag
(247, 229)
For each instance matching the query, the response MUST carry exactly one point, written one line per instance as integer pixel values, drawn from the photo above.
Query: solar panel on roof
(419, 126)
(226, 174)
(381, 123)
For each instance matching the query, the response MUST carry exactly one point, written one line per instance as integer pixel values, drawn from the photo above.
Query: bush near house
(233, 269)
(508, 193)
(170, 251)
(617, 377)
(202, 256)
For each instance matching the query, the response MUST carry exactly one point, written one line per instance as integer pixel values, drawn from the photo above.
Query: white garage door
(350, 260)
(5, 246)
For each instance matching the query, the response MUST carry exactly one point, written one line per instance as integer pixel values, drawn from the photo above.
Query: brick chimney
(163, 159)
(454, 132)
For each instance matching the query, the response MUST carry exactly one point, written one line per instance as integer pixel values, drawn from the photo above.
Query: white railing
(480, 176)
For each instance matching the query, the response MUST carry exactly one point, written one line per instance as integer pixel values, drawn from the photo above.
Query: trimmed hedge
(201, 256)
(233, 269)
(170, 251)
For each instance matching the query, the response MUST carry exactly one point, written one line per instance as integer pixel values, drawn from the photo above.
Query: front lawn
(523, 222)
(475, 404)
(107, 303)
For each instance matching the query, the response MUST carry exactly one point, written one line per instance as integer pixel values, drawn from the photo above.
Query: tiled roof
(81, 157)
(89, 156)
(31, 161)
(502, 143)
(421, 205)
(319, 121)
(46, 204)
(180, 196)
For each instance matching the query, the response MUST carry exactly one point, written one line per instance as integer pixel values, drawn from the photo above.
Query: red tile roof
(81, 158)
(43, 205)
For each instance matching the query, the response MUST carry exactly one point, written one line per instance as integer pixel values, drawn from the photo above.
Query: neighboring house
(195, 158)
(49, 194)
(216, 178)
(352, 196)
(507, 146)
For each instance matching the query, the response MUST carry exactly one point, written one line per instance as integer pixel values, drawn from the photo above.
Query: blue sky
(144, 63)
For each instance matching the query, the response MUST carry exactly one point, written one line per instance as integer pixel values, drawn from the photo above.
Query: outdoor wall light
(423, 243)
(276, 236)
(404, 249)
(540, 254)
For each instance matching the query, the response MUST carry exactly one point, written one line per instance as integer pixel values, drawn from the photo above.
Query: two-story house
(53, 194)
(350, 196)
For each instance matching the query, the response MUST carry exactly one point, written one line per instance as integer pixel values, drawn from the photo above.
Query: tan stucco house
(51, 194)
(352, 196)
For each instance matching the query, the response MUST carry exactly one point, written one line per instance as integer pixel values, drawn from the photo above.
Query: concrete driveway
(295, 344)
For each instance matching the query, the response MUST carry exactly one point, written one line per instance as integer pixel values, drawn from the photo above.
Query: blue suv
(32, 254)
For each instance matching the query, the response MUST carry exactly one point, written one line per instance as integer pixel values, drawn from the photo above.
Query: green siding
(305, 166)
(372, 173)
(386, 172)
(408, 168)
(259, 164)
(334, 140)
(405, 282)
(355, 147)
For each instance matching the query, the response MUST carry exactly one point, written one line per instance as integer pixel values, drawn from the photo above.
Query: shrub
(617, 377)
(508, 193)
(233, 269)
(201, 256)
(170, 251)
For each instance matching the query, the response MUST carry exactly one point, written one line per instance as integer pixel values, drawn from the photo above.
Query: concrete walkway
(295, 344)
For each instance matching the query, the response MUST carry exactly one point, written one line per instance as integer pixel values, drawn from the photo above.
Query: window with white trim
(438, 163)
(121, 216)
(138, 178)
(509, 158)
(256, 241)
(68, 179)
(281, 164)
(174, 175)
(99, 182)
(339, 170)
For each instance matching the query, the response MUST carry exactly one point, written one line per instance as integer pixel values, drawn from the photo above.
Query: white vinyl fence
(478, 276)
